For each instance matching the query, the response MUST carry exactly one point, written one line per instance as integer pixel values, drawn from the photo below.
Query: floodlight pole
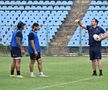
(47, 37)
(80, 33)
(80, 42)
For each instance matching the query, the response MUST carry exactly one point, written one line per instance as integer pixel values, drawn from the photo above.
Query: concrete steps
(58, 46)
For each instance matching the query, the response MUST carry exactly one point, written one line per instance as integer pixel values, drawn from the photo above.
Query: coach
(94, 45)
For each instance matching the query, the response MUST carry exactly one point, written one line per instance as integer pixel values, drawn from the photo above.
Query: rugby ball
(77, 20)
(96, 37)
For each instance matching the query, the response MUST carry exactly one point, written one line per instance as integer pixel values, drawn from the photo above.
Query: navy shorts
(33, 57)
(15, 52)
(95, 53)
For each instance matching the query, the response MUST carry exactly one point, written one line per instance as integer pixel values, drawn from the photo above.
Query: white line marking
(62, 84)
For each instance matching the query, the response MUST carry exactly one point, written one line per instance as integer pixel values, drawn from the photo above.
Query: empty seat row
(99, 2)
(36, 2)
(35, 8)
(98, 8)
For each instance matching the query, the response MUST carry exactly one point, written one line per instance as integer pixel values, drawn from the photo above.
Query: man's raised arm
(80, 24)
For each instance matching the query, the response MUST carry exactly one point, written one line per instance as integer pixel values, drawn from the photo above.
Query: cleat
(12, 76)
(32, 76)
(19, 76)
(94, 74)
(43, 76)
(100, 74)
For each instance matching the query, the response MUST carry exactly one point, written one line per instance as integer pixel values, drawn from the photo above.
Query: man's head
(20, 25)
(94, 22)
(35, 27)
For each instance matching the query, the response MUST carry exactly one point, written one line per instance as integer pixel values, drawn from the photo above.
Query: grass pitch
(65, 73)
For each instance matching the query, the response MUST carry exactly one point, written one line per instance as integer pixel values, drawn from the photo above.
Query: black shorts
(95, 53)
(15, 52)
(33, 57)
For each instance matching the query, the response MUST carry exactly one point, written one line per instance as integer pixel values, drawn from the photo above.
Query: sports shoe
(94, 74)
(32, 76)
(100, 74)
(19, 76)
(43, 76)
(12, 76)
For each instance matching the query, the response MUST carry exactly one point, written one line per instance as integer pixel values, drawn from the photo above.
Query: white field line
(62, 84)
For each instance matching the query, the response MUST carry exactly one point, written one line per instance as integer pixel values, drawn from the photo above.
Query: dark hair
(35, 24)
(19, 26)
(95, 20)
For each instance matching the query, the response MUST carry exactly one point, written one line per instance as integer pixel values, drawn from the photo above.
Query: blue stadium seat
(93, 2)
(64, 2)
(33, 7)
(100, 13)
(52, 2)
(21, 8)
(70, 3)
(59, 2)
(2, 2)
(41, 2)
(49, 14)
(39, 7)
(6, 2)
(23, 2)
(105, 2)
(27, 7)
(30, 2)
(99, 2)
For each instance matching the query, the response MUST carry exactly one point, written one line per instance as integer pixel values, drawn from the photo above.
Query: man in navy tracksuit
(94, 45)
(16, 49)
(35, 50)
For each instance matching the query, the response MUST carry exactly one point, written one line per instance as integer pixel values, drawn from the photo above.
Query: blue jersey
(98, 30)
(16, 33)
(33, 36)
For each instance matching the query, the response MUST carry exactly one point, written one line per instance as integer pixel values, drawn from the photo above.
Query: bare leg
(39, 65)
(94, 63)
(13, 67)
(31, 66)
(39, 61)
(18, 61)
(100, 66)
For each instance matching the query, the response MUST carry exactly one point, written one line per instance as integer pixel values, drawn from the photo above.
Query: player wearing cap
(94, 46)
(17, 49)
(35, 50)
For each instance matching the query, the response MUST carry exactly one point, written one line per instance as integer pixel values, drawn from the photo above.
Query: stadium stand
(49, 14)
(99, 10)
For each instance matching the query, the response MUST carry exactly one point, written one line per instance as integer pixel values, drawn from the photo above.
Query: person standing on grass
(17, 49)
(94, 46)
(35, 50)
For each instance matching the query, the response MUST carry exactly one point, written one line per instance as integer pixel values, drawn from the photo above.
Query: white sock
(32, 73)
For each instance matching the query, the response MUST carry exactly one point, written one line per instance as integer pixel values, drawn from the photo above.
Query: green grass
(65, 73)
